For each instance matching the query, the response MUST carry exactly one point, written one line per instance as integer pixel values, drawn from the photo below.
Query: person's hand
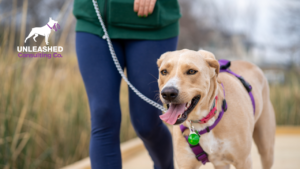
(144, 7)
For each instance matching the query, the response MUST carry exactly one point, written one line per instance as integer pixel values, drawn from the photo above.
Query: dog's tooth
(179, 117)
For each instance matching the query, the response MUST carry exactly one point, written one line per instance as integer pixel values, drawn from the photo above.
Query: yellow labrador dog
(189, 82)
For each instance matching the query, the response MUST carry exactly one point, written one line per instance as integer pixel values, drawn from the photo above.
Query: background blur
(44, 114)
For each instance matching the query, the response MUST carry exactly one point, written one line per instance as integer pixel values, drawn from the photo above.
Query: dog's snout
(169, 93)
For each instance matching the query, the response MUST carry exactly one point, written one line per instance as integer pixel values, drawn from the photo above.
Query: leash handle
(117, 64)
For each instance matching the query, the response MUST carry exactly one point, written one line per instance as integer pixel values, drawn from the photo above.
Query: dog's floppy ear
(211, 60)
(162, 57)
(158, 62)
(215, 64)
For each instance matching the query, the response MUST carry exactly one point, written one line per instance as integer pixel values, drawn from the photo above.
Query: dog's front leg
(222, 167)
(36, 35)
(184, 156)
(244, 163)
(181, 164)
(46, 39)
(185, 159)
(194, 167)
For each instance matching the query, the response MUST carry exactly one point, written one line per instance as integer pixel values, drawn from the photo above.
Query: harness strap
(49, 26)
(224, 67)
(200, 154)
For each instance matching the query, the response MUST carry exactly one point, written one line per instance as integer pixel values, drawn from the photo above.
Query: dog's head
(52, 22)
(187, 81)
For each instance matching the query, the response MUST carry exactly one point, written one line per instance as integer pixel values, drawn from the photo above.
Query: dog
(44, 31)
(189, 82)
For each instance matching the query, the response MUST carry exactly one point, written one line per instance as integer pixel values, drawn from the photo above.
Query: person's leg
(102, 83)
(142, 71)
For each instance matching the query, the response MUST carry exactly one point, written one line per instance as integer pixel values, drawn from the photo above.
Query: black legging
(102, 83)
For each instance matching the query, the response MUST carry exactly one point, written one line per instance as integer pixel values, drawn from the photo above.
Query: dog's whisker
(154, 76)
(152, 82)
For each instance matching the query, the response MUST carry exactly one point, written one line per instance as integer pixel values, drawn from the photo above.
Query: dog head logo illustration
(44, 31)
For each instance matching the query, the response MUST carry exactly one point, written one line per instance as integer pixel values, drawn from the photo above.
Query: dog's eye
(164, 72)
(191, 72)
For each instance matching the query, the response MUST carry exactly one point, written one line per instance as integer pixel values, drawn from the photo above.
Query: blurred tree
(211, 25)
(286, 20)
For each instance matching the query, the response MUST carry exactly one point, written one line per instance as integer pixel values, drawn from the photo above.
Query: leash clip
(192, 128)
(193, 137)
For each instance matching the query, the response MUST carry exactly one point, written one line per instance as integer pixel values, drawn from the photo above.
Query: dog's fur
(44, 31)
(230, 141)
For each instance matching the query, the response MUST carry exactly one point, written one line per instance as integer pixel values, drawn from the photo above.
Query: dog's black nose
(169, 93)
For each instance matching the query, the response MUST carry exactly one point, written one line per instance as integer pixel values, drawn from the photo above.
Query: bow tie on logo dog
(54, 27)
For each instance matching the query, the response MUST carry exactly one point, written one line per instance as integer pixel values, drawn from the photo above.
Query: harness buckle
(224, 64)
(245, 83)
(224, 105)
(200, 154)
(207, 129)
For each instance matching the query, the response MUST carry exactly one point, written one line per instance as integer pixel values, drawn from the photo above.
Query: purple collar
(200, 154)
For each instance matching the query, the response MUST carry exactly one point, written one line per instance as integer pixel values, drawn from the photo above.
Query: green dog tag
(193, 139)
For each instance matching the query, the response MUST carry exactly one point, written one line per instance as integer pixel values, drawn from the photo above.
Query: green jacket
(123, 23)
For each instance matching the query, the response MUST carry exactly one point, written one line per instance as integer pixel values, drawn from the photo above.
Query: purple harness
(200, 154)
(224, 67)
(54, 27)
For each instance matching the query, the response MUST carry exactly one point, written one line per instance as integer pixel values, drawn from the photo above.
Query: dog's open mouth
(178, 113)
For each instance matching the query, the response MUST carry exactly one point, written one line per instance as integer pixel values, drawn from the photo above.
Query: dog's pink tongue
(172, 113)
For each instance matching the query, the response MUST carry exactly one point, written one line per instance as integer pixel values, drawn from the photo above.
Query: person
(141, 31)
